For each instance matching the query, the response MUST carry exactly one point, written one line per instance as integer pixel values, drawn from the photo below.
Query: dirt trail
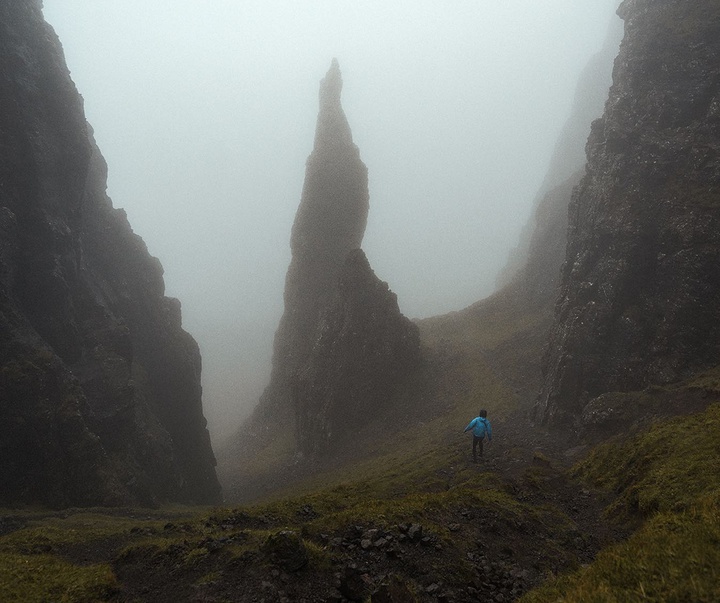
(536, 462)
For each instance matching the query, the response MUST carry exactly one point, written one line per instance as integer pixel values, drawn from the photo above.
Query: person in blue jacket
(480, 427)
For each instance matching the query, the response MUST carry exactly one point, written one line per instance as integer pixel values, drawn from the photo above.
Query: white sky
(205, 112)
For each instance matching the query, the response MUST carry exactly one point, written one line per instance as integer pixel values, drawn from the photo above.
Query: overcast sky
(205, 112)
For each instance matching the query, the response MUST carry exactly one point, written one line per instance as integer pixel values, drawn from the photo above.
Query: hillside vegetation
(487, 355)
(428, 523)
(667, 481)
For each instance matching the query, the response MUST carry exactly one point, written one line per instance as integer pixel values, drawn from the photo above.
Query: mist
(205, 113)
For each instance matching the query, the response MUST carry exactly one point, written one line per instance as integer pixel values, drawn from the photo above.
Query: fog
(205, 113)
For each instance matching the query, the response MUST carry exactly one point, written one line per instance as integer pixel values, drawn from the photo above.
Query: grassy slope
(93, 555)
(419, 475)
(665, 480)
(33, 561)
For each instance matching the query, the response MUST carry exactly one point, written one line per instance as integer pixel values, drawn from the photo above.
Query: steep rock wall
(100, 397)
(365, 351)
(640, 292)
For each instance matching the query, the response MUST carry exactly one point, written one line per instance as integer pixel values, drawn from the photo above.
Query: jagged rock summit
(329, 223)
(342, 347)
(100, 396)
(640, 292)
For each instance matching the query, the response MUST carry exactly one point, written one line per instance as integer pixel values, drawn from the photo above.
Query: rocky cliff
(640, 287)
(363, 354)
(100, 397)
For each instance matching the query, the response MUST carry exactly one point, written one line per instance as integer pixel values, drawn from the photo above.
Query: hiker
(480, 427)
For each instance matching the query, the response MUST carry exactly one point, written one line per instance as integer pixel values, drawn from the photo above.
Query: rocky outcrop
(640, 292)
(100, 397)
(365, 350)
(342, 348)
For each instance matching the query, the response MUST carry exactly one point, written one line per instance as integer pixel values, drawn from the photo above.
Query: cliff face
(342, 346)
(640, 292)
(100, 398)
(363, 353)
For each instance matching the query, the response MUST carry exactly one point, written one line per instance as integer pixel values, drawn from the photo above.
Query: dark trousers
(477, 443)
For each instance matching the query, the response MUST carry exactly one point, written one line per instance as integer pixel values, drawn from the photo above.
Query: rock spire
(329, 223)
(364, 352)
(342, 347)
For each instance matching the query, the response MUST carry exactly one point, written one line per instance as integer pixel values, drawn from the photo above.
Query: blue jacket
(480, 427)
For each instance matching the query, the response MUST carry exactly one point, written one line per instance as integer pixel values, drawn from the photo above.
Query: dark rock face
(364, 351)
(640, 293)
(536, 283)
(100, 398)
(342, 348)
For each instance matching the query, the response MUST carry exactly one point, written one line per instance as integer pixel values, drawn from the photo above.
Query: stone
(415, 532)
(329, 223)
(365, 349)
(393, 590)
(286, 550)
(343, 350)
(533, 270)
(355, 584)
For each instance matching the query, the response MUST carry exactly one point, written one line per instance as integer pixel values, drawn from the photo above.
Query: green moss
(76, 528)
(674, 557)
(319, 558)
(664, 469)
(162, 544)
(708, 381)
(195, 556)
(42, 578)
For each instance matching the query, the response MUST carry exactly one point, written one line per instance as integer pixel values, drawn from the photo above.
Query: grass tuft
(43, 578)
